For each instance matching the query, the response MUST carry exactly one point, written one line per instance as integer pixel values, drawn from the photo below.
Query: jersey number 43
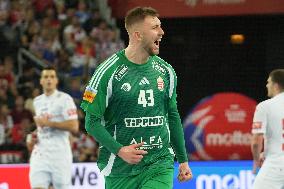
(146, 98)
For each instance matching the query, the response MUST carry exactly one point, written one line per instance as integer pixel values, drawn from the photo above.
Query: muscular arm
(68, 125)
(256, 145)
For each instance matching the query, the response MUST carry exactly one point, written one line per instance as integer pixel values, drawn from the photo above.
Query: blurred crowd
(70, 35)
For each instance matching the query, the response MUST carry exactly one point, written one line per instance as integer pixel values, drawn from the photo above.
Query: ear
(138, 36)
(277, 87)
(40, 81)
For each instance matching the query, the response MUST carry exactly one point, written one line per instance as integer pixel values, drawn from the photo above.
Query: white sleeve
(69, 109)
(259, 119)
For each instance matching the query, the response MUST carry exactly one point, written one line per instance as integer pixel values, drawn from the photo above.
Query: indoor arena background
(221, 50)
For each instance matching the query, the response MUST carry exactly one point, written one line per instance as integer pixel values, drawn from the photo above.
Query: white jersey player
(56, 116)
(268, 128)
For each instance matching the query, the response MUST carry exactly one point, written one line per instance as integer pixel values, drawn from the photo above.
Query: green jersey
(133, 101)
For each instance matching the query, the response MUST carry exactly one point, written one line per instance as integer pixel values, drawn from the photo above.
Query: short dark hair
(138, 14)
(277, 76)
(49, 68)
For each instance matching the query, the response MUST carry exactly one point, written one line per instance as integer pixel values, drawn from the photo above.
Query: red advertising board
(14, 177)
(190, 8)
(219, 128)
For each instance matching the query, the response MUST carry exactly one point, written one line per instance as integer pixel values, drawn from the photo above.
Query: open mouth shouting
(157, 43)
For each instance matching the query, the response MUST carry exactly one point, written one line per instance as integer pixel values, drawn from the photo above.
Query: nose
(162, 31)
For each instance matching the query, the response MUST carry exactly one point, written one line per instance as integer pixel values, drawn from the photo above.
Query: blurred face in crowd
(151, 34)
(48, 81)
(270, 87)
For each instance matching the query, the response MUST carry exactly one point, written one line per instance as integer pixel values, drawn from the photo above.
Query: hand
(131, 154)
(258, 163)
(41, 121)
(261, 158)
(31, 140)
(185, 173)
(255, 166)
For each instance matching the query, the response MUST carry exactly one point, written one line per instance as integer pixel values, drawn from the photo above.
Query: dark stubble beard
(147, 47)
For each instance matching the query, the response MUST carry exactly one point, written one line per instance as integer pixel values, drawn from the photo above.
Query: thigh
(39, 179)
(158, 178)
(269, 177)
(61, 174)
(130, 182)
(39, 174)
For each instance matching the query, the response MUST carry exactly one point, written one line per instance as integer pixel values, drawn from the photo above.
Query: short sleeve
(259, 119)
(70, 110)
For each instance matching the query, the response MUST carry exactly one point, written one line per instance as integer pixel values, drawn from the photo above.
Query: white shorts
(55, 169)
(269, 177)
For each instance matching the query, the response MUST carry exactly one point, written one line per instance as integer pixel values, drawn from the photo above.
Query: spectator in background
(28, 81)
(110, 43)
(6, 87)
(9, 74)
(30, 99)
(20, 131)
(83, 62)
(6, 121)
(93, 21)
(4, 11)
(75, 90)
(82, 12)
(73, 34)
(84, 148)
(41, 5)
(19, 112)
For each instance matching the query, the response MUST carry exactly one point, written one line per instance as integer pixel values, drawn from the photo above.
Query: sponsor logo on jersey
(126, 87)
(72, 112)
(144, 121)
(144, 81)
(120, 73)
(89, 94)
(158, 67)
(149, 142)
(160, 83)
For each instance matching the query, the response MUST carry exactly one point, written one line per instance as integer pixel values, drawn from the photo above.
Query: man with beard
(268, 128)
(131, 110)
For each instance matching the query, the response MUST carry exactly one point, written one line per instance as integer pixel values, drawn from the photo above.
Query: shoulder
(38, 98)
(159, 62)
(105, 70)
(263, 104)
(63, 95)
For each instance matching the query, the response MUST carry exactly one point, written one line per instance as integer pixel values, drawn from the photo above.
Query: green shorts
(152, 178)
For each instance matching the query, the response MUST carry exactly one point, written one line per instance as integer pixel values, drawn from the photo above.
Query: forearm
(256, 146)
(69, 125)
(177, 135)
(97, 130)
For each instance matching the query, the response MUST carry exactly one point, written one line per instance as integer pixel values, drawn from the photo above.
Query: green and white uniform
(135, 103)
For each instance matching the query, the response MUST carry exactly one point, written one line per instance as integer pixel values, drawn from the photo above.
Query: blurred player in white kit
(56, 116)
(268, 128)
